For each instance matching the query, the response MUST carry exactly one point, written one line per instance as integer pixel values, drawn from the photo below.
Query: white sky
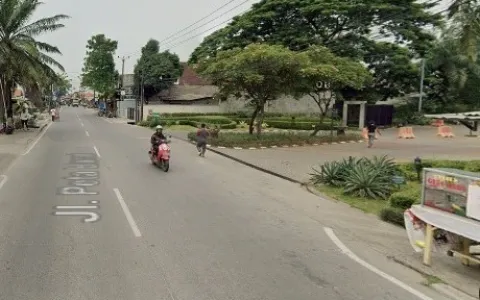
(132, 23)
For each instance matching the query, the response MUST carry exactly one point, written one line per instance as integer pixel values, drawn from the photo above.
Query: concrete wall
(123, 107)
(285, 105)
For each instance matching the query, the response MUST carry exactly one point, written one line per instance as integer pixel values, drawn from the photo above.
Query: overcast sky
(132, 23)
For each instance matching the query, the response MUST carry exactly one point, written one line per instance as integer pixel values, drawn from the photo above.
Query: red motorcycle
(160, 157)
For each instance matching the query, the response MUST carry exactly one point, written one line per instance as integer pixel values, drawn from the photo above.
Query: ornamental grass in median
(269, 139)
(368, 183)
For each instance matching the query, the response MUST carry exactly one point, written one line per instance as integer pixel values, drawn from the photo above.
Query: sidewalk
(11, 146)
(384, 238)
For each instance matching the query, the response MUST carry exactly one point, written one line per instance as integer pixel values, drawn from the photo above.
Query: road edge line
(3, 181)
(345, 250)
(127, 213)
(43, 130)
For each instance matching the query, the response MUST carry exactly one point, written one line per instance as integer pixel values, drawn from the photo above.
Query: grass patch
(266, 139)
(180, 128)
(367, 205)
(431, 280)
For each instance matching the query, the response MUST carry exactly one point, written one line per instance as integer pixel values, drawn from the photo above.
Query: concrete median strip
(276, 146)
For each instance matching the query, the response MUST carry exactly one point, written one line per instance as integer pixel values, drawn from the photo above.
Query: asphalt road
(84, 215)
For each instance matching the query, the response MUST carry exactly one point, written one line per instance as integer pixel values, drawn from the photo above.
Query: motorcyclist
(157, 136)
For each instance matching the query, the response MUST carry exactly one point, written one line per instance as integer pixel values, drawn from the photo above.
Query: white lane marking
(3, 181)
(76, 207)
(363, 263)
(96, 151)
(86, 132)
(127, 213)
(83, 125)
(37, 140)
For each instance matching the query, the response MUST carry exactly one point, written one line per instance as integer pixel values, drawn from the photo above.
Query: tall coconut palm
(23, 59)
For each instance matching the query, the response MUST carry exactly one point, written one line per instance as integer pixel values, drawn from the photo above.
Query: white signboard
(473, 201)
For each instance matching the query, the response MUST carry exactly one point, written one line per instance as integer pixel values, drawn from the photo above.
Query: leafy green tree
(257, 73)
(343, 26)
(159, 70)
(61, 85)
(326, 74)
(99, 66)
(23, 59)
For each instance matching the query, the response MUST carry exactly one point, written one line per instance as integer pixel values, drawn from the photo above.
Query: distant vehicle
(75, 103)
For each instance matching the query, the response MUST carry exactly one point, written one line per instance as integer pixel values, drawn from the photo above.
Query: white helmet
(159, 127)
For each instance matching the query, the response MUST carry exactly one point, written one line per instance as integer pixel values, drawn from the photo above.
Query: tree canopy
(258, 73)
(159, 70)
(326, 74)
(23, 59)
(348, 28)
(99, 71)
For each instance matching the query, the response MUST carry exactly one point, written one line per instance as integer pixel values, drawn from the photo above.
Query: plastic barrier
(438, 123)
(445, 132)
(405, 133)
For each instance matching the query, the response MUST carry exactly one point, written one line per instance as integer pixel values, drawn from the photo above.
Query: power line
(235, 7)
(198, 21)
(199, 34)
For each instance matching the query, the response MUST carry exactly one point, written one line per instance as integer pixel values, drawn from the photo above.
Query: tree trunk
(252, 120)
(323, 112)
(3, 103)
(9, 86)
(260, 118)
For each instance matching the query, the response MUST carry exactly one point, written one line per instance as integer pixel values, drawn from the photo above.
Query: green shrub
(473, 166)
(266, 139)
(298, 125)
(336, 173)
(333, 173)
(329, 173)
(407, 196)
(144, 123)
(393, 215)
(364, 180)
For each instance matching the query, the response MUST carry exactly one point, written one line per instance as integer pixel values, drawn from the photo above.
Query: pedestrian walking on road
(202, 135)
(53, 113)
(372, 130)
(24, 117)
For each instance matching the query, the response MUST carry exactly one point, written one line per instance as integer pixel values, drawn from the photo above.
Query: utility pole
(142, 95)
(422, 78)
(122, 81)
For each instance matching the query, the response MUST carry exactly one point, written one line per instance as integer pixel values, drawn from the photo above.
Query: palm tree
(23, 59)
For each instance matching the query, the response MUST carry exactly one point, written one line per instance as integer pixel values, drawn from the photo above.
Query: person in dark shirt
(372, 129)
(202, 135)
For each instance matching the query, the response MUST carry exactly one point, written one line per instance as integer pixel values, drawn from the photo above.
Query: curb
(244, 162)
(443, 288)
(283, 146)
(309, 187)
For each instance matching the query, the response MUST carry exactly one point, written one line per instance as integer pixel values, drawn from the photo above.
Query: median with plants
(378, 185)
(238, 121)
(273, 139)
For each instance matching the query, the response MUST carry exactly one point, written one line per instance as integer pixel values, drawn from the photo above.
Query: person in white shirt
(24, 117)
(53, 112)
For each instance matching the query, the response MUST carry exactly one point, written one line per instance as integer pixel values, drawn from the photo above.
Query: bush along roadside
(273, 139)
(369, 184)
(227, 122)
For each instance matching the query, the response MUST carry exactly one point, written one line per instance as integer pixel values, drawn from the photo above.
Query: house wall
(285, 105)
(123, 107)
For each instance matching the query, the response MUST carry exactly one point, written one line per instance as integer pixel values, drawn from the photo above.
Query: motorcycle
(161, 157)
